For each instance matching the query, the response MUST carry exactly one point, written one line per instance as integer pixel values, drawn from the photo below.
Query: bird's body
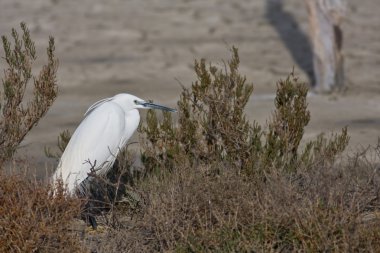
(95, 144)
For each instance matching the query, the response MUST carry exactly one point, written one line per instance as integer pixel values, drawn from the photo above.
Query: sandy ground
(145, 47)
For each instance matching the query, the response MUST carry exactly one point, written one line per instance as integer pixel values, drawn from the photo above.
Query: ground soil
(147, 48)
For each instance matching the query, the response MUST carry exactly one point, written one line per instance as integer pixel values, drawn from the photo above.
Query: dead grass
(325, 209)
(33, 220)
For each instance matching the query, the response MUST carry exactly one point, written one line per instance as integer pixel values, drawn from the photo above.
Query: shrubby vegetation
(212, 181)
(18, 116)
(31, 218)
(223, 184)
(212, 129)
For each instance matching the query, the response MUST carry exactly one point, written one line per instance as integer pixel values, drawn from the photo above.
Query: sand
(147, 48)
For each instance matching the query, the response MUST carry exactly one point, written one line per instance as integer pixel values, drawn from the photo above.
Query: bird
(93, 147)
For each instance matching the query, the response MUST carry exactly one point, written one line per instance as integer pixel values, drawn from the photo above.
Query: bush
(211, 126)
(33, 220)
(18, 117)
(213, 130)
(319, 210)
(223, 184)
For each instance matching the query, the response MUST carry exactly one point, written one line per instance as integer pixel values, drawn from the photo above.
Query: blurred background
(148, 47)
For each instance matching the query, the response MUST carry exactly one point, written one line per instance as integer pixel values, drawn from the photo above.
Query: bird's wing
(96, 105)
(96, 141)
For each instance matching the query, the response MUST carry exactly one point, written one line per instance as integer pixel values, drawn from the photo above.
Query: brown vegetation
(17, 117)
(212, 181)
(218, 183)
(238, 187)
(32, 218)
(314, 210)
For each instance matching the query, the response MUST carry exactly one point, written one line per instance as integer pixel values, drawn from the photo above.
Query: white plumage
(105, 130)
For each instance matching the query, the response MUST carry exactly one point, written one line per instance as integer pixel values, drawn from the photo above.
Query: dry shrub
(212, 129)
(326, 209)
(17, 116)
(33, 220)
(211, 126)
(193, 211)
(222, 184)
(104, 192)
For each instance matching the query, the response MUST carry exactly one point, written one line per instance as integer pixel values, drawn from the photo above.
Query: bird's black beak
(156, 106)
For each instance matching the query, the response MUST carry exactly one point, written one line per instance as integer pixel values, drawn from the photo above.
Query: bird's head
(149, 105)
(138, 103)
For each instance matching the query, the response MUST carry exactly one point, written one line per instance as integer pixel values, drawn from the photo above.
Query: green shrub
(212, 128)
(62, 141)
(17, 116)
(223, 184)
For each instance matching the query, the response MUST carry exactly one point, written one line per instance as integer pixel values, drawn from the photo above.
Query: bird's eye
(135, 101)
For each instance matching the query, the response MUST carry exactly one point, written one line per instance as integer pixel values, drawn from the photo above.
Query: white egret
(95, 144)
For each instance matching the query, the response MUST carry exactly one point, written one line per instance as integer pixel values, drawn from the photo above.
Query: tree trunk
(325, 17)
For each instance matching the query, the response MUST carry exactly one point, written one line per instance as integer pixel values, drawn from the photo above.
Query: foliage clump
(225, 184)
(18, 117)
(62, 141)
(211, 125)
(324, 209)
(35, 219)
(212, 128)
